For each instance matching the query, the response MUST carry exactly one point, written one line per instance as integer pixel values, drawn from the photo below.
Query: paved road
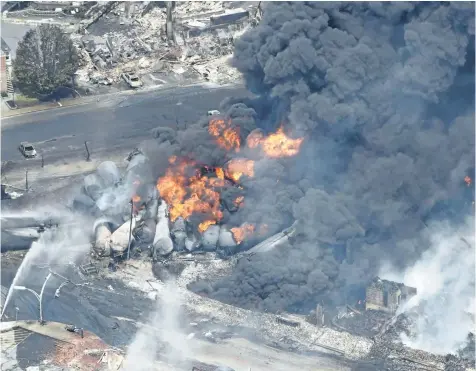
(13, 33)
(92, 308)
(119, 122)
(104, 313)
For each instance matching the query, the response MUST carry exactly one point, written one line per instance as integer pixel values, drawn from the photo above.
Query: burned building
(386, 295)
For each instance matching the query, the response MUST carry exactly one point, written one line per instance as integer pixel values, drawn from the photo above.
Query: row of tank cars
(126, 209)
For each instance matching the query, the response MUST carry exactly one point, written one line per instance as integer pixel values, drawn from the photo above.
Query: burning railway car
(187, 208)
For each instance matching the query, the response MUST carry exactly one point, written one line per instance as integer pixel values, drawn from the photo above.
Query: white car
(27, 150)
(213, 112)
(132, 80)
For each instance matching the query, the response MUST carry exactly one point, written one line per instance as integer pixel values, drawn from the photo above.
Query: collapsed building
(136, 38)
(386, 295)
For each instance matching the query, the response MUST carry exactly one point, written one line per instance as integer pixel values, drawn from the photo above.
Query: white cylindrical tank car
(120, 237)
(146, 231)
(109, 173)
(179, 233)
(191, 243)
(226, 240)
(93, 186)
(163, 244)
(102, 238)
(210, 238)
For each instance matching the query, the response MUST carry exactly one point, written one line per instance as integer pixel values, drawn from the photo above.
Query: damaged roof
(386, 285)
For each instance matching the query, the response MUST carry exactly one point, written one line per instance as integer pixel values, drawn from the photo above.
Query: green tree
(46, 59)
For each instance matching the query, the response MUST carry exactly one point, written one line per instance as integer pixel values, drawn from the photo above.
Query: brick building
(5, 68)
(386, 295)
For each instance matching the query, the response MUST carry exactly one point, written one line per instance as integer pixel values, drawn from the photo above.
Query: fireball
(189, 195)
(238, 167)
(279, 145)
(275, 145)
(225, 135)
(242, 233)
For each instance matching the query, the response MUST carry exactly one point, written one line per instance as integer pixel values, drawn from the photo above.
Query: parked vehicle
(132, 80)
(27, 150)
(213, 112)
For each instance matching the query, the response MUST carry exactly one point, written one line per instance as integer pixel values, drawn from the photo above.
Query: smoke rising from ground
(161, 336)
(445, 282)
(384, 95)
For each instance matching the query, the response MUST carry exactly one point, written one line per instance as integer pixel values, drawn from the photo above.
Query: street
(116, 316)
(92, 307)
(12, 33)
(119, 122)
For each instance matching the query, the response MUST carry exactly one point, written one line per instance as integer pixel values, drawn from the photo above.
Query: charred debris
(156, 40)
(160, 40)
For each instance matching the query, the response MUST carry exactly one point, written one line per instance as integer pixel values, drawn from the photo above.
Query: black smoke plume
(383, 94)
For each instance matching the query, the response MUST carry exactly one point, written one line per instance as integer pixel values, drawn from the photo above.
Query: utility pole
(130, 231)
(88, 155)
(13, 95)
(26, 180)
(169, 24)
(39, 297)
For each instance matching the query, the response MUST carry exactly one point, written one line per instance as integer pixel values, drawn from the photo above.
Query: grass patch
(22, 101)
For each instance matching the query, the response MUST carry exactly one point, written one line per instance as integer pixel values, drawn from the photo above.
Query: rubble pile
(367, 323)
(264, 326)
(204, 35)
(395, 357)
(398, 357)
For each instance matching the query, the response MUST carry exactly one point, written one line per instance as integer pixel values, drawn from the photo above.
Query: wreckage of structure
(386, 295)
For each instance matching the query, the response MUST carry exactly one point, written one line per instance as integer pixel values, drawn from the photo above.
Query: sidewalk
(70, 102)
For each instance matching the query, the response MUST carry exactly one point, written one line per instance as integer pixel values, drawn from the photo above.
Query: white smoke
(163, 334)
(55, 249)
(61, 245)
(445, 281)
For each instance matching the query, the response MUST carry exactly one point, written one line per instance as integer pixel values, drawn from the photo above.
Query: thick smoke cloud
(445, 282)
(384, 95)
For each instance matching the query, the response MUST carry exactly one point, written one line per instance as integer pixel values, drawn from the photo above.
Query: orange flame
(187, 195)
(239, 201)
(279, 145)
(238, 167)
(220, 173)
(203, 226)
(226, 136)
(241, 233)
(468, 180)
(136, 198)
(254, 139)
(275, 145)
